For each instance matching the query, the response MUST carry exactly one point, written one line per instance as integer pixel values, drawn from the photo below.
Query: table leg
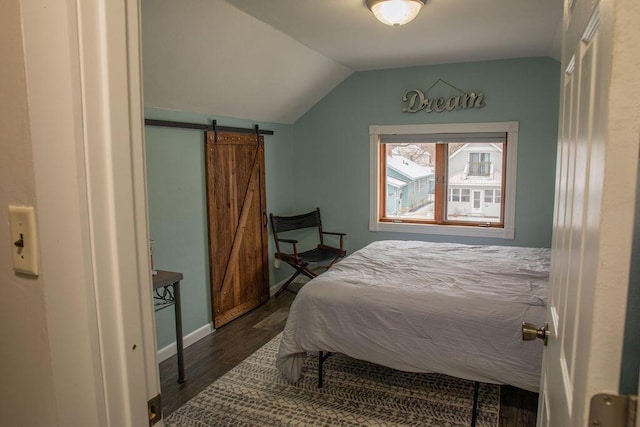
(180, 349)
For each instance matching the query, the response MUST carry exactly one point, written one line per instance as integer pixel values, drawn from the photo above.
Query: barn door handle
(265, 222)
(531, 332)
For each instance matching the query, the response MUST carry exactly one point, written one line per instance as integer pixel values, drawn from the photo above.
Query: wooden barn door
(237, 224)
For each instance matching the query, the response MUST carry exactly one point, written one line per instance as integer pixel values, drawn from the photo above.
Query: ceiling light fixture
(395, 12)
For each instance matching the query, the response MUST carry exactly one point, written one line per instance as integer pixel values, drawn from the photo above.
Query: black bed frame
(323, 356)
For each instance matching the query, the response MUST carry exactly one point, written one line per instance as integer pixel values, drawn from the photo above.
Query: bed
(426, 307)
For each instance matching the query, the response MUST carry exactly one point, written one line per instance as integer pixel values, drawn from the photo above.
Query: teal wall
(332, 141)
(323, 160)
(177, 206)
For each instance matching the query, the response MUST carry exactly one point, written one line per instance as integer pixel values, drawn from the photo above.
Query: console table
(166, 292)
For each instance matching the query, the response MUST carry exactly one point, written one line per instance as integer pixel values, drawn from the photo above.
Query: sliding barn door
(237, 224)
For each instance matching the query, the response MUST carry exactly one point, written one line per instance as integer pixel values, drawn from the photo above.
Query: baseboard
(168, 351)
(273, 289)
(300, 279)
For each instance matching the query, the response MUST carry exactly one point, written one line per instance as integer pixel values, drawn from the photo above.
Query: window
(458, 175)
(488, 196)
(479, 164)
(492, 196)
(464, 195)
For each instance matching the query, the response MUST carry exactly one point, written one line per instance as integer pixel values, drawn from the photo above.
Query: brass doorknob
(531, 332)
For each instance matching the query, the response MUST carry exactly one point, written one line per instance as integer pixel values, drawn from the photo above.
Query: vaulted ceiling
(272, 60)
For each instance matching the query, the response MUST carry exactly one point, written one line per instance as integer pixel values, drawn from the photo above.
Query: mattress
(426, 307)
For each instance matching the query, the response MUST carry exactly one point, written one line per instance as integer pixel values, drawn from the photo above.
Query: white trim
(273, 289)
(445, 128)
(51, 60)
(508, 232)
(166, 352)
(116, 200)
(83, 69)
(445, 230)
(592, 26)
(571, 66)
(139, 194)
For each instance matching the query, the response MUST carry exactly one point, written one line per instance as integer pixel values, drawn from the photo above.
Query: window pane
(410, 180)
(475, 170)
(479, 164)
(488, 196)
(477, 197)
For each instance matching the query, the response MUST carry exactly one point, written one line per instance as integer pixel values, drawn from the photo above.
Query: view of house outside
(410, 180)
(473, 188)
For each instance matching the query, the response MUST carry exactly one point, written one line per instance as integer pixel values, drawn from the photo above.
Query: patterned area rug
(355, 393)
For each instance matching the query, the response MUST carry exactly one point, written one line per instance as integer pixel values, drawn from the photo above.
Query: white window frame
(507, 232)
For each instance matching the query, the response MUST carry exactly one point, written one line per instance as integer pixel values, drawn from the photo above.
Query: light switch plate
(24, 241)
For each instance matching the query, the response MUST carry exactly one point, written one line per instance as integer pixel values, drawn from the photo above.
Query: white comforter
(426, 307)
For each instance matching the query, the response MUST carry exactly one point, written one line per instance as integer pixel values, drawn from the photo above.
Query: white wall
(26, 388)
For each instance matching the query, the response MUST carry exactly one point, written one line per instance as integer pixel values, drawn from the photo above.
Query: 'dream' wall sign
(416, 100)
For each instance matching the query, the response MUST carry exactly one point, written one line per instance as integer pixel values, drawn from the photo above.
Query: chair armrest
(341, 238)
(335, 234)
(287, 240)
(294, 243)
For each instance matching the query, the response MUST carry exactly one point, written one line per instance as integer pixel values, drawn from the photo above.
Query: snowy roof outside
(395, 182)
(477, 181)
(408, 168)
(475, 147)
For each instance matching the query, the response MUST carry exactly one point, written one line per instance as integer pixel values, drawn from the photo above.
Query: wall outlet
(24, 241)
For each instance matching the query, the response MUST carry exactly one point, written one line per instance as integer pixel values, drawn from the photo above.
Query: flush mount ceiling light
(395, 12)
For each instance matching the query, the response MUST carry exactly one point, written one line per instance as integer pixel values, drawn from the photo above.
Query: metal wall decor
(416, 100)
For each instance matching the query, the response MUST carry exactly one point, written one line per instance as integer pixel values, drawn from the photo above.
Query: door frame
(83, 72)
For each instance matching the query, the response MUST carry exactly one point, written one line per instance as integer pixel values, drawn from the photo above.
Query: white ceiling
(445, 30)
(272, 60)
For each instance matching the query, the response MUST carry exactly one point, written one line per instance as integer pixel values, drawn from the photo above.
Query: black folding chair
(323, 255)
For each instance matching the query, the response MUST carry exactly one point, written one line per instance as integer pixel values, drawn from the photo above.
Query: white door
(595, 196)
(476, 201)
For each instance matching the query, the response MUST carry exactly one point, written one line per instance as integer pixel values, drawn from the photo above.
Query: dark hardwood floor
(213, 356)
